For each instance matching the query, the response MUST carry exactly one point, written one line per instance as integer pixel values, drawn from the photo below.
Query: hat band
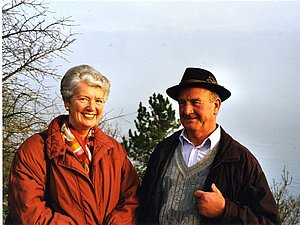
(190, 81)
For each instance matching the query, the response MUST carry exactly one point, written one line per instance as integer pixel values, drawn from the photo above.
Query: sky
(253, 49)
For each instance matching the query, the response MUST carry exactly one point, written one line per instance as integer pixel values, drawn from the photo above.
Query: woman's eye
(84, 100)
(99, 101)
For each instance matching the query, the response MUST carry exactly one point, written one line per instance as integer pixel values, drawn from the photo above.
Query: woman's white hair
(82, 73)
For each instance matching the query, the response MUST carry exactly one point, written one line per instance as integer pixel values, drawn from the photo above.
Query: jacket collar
(54, 143)
(56, 146)
(228, 151)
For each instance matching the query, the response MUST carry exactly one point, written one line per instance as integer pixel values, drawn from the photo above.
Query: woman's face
(85, 108)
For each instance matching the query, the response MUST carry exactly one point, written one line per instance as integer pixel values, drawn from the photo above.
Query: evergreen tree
(151, 127)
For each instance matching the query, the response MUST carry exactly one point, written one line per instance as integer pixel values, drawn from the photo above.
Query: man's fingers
(198, 193)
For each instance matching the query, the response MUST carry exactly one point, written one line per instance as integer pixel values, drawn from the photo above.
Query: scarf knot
(81, 149)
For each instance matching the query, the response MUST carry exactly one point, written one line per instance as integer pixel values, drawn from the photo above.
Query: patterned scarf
(81, 149)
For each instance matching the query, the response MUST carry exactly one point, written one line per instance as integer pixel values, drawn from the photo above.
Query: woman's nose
(91, 106)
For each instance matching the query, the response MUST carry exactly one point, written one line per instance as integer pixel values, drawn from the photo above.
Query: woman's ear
(66, 106)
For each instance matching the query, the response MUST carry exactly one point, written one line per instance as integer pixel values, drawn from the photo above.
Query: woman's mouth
(88, 116)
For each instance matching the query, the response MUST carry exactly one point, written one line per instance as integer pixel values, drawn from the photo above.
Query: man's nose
(188, 109)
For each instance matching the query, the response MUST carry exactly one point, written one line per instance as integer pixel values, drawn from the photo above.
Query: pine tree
(151, 127)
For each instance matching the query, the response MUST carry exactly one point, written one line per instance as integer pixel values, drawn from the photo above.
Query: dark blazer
(236, 173)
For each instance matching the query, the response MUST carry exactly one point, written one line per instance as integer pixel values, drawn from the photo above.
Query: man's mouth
(189, 118)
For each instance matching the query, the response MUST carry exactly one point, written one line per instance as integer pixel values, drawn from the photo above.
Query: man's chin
(190, 127)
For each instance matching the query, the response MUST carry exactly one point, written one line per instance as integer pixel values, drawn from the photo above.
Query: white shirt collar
(214, 138)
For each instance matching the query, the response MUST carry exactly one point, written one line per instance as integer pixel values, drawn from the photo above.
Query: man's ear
(217, 105)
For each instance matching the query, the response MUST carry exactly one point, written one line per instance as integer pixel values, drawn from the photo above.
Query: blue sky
(253, 48)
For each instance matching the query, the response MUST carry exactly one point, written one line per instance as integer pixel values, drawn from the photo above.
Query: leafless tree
(31, 39)
(288, 205)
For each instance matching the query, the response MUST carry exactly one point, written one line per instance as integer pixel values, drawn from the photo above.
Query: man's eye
(196, 102)
(181, 102)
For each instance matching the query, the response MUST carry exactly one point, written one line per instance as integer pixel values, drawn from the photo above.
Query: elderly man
(201, 175)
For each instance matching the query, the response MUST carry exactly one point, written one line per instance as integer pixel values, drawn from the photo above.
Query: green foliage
(288, 205)
(151, 127)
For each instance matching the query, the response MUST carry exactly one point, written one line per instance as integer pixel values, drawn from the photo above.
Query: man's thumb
(214, 188)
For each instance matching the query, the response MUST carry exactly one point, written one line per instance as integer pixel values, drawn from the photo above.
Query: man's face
(198, 110)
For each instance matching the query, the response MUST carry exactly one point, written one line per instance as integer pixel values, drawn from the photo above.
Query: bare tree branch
(31, 40)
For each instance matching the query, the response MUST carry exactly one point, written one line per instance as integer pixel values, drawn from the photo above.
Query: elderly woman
(73, 173)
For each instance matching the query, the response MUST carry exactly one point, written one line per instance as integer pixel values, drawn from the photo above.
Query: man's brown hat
(196, 77)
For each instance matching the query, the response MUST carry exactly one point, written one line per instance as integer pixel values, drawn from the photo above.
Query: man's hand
(210, 204)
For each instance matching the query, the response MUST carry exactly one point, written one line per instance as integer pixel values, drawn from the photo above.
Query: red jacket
(108, 197)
